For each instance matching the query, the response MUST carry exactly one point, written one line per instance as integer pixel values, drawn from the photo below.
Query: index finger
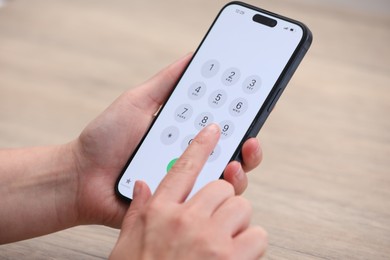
(179, 181)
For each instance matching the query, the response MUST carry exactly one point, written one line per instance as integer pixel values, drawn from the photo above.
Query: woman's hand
(213, 224)
(47, 189)
(106, 143)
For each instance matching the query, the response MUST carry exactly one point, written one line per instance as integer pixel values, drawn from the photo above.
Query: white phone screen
(227, 82)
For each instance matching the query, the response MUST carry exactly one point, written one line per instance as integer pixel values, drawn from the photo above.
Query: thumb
(155, 91)
(141, 195)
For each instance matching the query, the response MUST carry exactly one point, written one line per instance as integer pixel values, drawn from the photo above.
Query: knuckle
(175, 219)
(184, 164)
(211, 249)
(152, 209)
(199, 140)
(177, 222)
(180, 221)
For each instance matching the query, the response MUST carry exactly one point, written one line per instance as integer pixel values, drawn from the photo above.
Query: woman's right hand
(213, 224)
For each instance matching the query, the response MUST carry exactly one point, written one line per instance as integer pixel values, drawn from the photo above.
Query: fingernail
(256, 151)
(212, 128)
(239, 174)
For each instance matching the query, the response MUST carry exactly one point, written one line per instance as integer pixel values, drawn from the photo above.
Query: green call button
(171, 163)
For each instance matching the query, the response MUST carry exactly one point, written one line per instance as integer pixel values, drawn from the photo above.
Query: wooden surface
(323, 189)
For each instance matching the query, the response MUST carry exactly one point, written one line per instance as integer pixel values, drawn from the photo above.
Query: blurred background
(323, 189)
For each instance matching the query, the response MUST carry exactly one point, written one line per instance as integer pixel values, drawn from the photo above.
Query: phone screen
(227, 82)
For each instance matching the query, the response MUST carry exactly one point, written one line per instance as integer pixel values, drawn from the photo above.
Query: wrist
(38, 187)
(67, 184)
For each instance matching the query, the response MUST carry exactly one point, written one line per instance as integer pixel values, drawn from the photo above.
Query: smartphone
(234, 79)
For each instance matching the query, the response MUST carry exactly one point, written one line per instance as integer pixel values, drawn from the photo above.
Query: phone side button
(274, 100)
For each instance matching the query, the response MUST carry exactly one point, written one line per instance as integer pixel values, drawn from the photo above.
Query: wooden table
(323, 189)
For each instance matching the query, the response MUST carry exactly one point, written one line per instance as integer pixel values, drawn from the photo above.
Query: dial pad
(197, 90)
(215, 153)
(252, 84)
(230, 76)
(183, 113)
(227, 128)
(238, 107)
(170, 135)
(187, 141)
(210, 68)
(220, 95)
(217, 98)
(203, 120)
